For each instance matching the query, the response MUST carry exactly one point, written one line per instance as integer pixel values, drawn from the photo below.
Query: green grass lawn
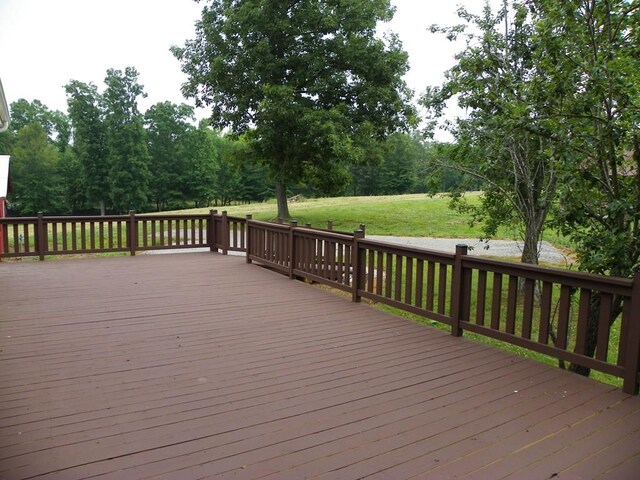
(417, 215)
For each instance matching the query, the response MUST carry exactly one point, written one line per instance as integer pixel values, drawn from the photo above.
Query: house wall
(2, 215)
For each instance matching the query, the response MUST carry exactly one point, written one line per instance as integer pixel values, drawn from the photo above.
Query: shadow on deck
(197, 366)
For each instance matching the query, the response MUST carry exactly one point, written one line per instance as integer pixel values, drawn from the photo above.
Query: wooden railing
(546, 310)
(41, 236)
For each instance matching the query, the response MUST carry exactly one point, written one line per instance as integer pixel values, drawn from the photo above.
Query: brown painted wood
(397, 291)
(496, 301)
(408, 281)
(527, 307)
(564, 312)
(419, 299)
(582, 324)
(371, 272)
(431, 270)
(64, 236)
(545, 313)
(379, 273)
(442, 288)
(481, 297)
(201, 366)
(604, 323)
(512, 304)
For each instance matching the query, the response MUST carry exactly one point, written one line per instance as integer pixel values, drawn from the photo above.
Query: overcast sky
(46, 43)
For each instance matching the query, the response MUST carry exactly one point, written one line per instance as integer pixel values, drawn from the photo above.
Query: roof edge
(4, 110)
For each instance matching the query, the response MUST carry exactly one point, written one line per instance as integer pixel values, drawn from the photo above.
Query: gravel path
(495, 248)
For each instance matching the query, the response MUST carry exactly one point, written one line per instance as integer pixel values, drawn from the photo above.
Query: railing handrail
(393, 247)
(271, 225)
(573, 278)
(322, 233)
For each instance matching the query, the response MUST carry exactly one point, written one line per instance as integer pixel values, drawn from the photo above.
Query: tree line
(104, 156)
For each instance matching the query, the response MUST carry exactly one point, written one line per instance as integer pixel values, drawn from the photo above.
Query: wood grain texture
(202, 366)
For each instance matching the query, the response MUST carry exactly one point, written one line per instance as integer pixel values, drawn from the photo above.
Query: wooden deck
(200, 366)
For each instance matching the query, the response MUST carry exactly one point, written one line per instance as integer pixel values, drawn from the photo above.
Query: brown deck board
(201, 366)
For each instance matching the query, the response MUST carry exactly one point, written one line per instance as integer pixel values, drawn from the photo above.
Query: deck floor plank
(201, 366)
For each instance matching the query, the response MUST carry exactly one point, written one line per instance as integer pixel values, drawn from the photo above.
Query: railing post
(632, 360)
(248, 238)
(292, 250)
(211, 231)
(133, 233)
(41, 232)
(358, 265)
(225, 233)
(457, 293)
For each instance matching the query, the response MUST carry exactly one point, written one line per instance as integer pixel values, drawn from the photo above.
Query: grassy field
(401, 215)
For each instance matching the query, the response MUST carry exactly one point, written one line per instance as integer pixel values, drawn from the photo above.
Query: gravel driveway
(495, 248)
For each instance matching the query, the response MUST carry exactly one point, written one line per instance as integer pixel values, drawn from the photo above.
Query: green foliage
(600, 187)
(395, 171)
(34, 172)
(55, 123)
(564, 108)
(73, 184)
(89, 139)
(200, 158)
(555, 119)
(168, 130)
(437, 174)
(127, 152)
(120, 159)
(505, 139)
(308, 81)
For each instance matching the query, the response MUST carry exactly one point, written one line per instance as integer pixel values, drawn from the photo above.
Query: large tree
(55, 123)
(310, 81)
(202, 156)
(576, 104)
(168, 127)
(73, 183)
(127, 153)
(506, 138)
(593, 53)
(34, 170)
(89, 139)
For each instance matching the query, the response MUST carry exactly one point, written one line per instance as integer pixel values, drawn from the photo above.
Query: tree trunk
(281, 198)
(530, 253)
(593, 323)
(102, 209)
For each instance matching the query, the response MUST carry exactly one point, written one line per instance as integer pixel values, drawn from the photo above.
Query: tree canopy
(506, 140)
(89, 139)
(309, 81)
(554, 123)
